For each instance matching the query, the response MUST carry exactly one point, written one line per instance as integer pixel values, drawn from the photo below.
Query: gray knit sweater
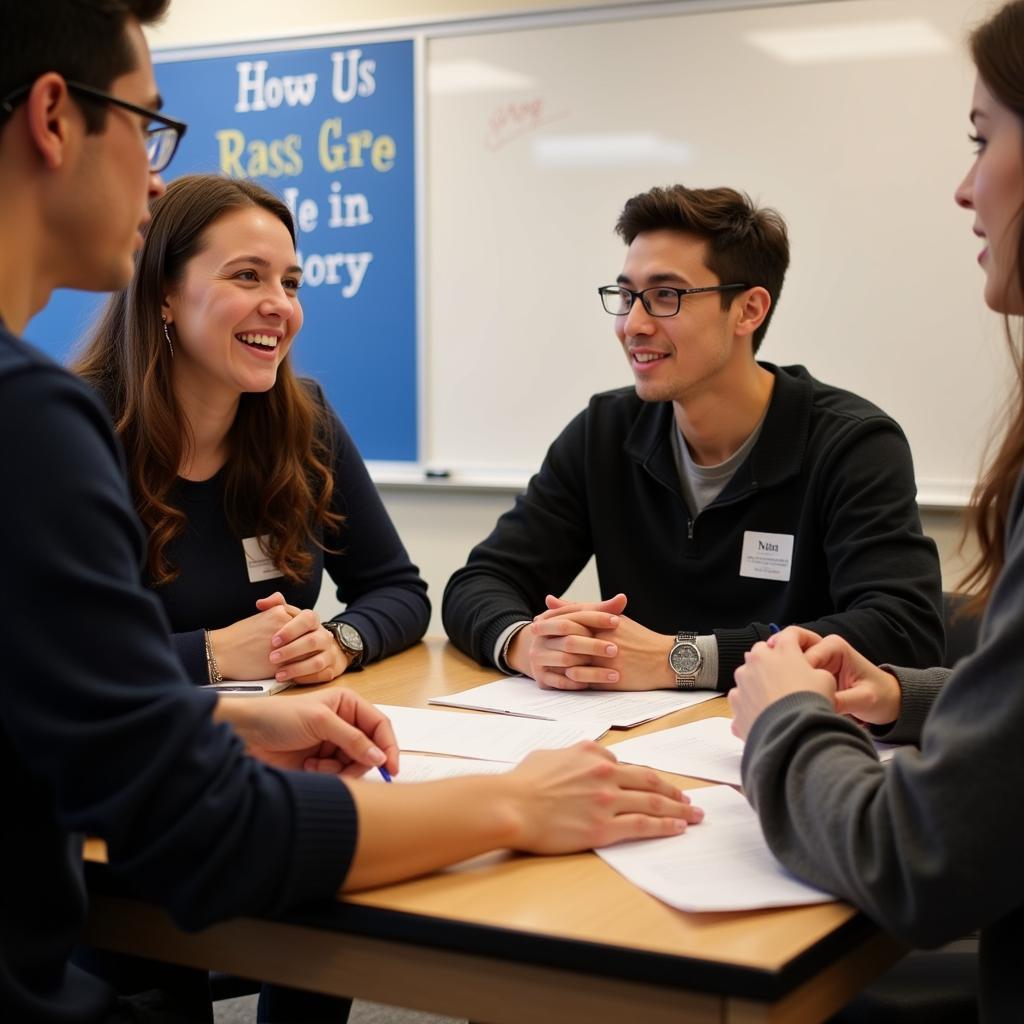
(932, 846)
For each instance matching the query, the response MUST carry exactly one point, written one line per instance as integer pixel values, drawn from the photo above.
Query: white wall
(192, 22)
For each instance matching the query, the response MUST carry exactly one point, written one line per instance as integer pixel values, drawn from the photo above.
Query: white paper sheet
(721, 864)
(482, 736)
(425, 768)
(518, 695)
(704, 750)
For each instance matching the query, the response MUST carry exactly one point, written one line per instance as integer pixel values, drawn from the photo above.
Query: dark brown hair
(746, 244)
(997, 47)
(83, 40)
(279, 480)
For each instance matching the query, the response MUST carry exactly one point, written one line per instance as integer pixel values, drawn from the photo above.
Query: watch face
(685, 659)
(350, 637)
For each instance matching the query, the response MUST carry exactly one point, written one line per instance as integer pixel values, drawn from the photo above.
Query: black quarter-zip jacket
(830, 470)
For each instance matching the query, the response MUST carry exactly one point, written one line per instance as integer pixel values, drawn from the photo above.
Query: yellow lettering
(258, 163)
(231, 142)
(357, 142)
(337, 152)
(332, 157)
(292, 145)
(382, 156)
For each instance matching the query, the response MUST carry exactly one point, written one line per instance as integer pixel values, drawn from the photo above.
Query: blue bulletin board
(331, 130)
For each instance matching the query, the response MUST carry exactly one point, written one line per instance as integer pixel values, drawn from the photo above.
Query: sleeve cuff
(191, 650)
(707, 678)
(918, 690)
(500, 646)
(493, 633)
(323, 837)
(732, 645)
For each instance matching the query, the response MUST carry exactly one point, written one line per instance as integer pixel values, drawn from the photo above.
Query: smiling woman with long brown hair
(246, 481)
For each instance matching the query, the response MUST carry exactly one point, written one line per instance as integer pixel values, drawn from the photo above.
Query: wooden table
(507, 939)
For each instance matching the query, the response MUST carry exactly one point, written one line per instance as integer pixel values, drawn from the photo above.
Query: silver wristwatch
(348, 639)
(685, 660)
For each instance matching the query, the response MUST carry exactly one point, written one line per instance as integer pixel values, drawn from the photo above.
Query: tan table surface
(506, 937)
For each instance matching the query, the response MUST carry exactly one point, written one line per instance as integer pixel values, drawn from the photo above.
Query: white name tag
(258, 565)
(767, 556)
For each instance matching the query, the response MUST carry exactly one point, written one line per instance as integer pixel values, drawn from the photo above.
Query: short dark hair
(83, 40)
(746, 243)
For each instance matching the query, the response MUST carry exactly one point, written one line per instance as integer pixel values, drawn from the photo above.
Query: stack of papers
(703, 750)
(521, 696)
(480, 736)
(721, 864)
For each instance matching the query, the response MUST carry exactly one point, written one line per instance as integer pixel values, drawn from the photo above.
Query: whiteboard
(849, 117)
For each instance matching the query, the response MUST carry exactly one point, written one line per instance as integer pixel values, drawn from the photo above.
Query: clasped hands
(280, 640)
(798, 660)
(591, 645)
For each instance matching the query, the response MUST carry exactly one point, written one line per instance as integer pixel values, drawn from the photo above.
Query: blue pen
(385, 774)
(772, 628)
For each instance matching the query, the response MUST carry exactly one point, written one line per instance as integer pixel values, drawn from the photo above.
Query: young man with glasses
(720, 495)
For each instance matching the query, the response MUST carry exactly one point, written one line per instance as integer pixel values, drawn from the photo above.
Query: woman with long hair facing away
(930, 846)
(245, 479)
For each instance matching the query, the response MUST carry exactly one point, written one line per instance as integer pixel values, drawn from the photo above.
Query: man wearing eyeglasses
(721, 496)
(100, 730)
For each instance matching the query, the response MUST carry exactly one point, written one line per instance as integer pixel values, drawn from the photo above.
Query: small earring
(167, 335)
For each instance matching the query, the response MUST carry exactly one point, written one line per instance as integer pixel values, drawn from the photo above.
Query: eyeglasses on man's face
(660, 300)
(162, 133)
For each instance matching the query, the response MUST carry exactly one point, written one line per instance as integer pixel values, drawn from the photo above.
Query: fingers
(804, 637)
(647, 807)
(549, 680)
(276, 600)
(583, 622)
(614, 605)
(633, 777)
(857, 701)
(349, 739)
(313, 657)
(374, 723)
(627, 827)
(829, 653)
(593, 676)
(326, 766)
(584, 646)
(307, 644)
(304, 621)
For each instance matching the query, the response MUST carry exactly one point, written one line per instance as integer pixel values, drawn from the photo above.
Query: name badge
(767, 556)
(259, 566)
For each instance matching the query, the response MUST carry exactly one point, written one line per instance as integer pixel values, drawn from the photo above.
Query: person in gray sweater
(931, 846)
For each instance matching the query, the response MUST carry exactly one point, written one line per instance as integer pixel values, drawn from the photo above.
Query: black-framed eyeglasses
(162, 133)
(660, 300)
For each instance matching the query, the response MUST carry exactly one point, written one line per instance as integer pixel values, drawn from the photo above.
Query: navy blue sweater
(101, 732)
(385, 598)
